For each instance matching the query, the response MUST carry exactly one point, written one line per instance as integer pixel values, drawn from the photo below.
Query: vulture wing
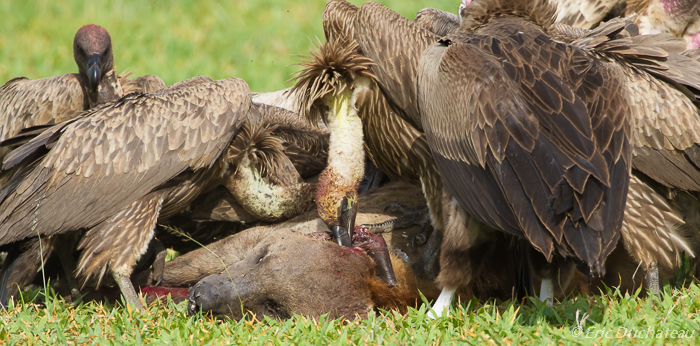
(28, 102)
(116, 154)
(394, 44)
(530, 136)
(143, 84)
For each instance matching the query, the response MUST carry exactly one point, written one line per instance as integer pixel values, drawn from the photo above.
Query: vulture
(394, 145)
(679, 18)
(550, 161)
(28, 106)
(123, 166)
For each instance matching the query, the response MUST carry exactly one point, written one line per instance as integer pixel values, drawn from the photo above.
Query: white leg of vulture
(442, 304)
(547, 291)
(652, 278)
(128, 291)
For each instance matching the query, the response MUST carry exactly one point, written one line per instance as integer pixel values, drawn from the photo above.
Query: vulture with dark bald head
(28, 106)
(25, 103)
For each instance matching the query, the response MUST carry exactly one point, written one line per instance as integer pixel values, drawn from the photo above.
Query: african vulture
(123, 166)
(172, 146)
(580, 155)
(391, 143)
(25, 103)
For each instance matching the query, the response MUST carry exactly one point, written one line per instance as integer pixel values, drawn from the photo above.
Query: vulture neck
(265, 201)
(346, 154)
(109, 90)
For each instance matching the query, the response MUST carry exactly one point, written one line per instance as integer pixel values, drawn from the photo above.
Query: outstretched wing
(106, 160)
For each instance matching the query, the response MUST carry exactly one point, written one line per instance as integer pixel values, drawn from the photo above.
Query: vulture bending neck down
(328, 89)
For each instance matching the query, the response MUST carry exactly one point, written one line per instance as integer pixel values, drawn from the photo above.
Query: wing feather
(394, 44)
(54, 198)
(28, 102)
(548, 164)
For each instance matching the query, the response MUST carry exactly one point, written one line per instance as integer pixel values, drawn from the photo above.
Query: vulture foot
(128, 291)
(375, 247)
(652, 279)
(158, 266)
(65, 250)
(425, 266)
(442, 304)
(411, 217)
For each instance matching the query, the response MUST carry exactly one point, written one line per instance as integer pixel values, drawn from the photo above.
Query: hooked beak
(94, 71)
(346, 218)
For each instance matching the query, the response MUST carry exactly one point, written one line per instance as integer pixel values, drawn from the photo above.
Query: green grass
(581, 320)
(255, 40)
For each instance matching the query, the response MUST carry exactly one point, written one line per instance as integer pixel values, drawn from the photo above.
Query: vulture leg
(21, 264)
(116, 243)
(128, 291)
(442, 304)
(652, 278)
(547, 291)
(425, 266)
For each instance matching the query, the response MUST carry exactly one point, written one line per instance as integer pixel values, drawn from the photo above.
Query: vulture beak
(346, 223)
(94, 71)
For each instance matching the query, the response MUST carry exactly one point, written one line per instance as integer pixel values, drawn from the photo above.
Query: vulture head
(92, 51)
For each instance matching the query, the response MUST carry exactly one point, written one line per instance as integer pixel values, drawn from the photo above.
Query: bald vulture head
(92, 51)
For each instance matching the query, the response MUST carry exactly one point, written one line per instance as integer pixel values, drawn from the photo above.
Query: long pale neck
(346, 154)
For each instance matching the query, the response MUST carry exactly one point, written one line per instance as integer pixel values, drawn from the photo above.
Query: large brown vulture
(272, 152)
(391, 143)
(503, 181)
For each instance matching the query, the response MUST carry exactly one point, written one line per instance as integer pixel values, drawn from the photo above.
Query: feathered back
(329, 71)
(478, 12)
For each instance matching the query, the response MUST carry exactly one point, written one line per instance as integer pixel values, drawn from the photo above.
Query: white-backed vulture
(397, 47)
